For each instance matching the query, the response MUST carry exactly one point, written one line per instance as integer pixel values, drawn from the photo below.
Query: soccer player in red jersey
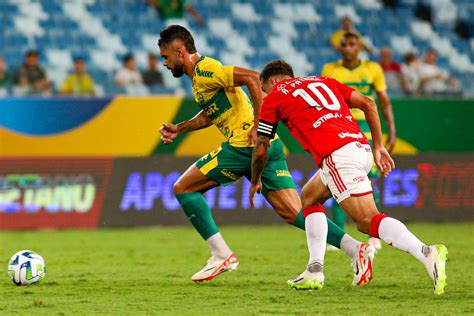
(316, 110)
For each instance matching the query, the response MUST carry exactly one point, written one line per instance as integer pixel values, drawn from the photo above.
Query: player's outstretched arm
(381, 156)
(170, 131)
(259, 160)
(387, 113)
(251, 79)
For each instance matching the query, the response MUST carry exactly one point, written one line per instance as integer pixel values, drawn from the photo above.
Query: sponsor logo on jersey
(359, 179)
(230, 174)
(283, 173)
(351, 135)
(325, 118)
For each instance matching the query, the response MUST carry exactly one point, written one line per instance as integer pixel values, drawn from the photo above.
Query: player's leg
(338, 215)
(364, 212)
(199, 178)
(347, 168)
(279, 189)
(373, 175)
(316, 192)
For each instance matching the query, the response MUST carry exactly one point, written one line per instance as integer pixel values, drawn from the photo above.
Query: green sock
(299, 220)
(199, 213)
(376, 198)
(335, 233)
(338, 215)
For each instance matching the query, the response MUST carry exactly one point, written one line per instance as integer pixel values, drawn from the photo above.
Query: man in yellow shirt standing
(346, 26)
(79, 83)
(367, 78)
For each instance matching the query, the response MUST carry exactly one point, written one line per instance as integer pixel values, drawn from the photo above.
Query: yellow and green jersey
(228, 107)
(367, 78)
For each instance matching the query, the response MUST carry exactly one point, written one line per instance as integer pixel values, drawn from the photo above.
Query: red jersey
(315, 110)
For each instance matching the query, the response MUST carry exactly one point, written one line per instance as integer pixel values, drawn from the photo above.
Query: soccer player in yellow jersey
(217, 90)
(367, 78)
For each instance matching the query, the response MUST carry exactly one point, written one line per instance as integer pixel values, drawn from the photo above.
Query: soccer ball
(26, 267)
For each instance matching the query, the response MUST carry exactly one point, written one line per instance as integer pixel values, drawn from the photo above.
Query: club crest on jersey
(282, 87)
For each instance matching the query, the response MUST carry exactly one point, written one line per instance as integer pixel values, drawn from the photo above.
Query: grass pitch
(147, 271)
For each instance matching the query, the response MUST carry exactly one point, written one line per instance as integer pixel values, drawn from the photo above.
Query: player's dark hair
(177, 32)
(348, 35)
(431, 50)
(127, 58)
(276, 68)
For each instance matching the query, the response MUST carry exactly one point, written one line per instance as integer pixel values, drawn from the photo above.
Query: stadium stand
(102, 31)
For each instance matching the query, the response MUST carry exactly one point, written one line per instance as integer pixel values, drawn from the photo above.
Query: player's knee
(307, 199)
(363, 224)
(178, 188)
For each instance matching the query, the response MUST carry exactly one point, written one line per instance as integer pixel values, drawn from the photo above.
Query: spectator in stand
(411, 77)
(152, 76)
(174, 9)
(31, 77)
(78, 83)
(391, 69)
(434, 80)
(347, 27)
(5, 78)
(128, 76)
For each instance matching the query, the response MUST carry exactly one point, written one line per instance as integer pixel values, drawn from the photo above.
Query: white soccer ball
(26, 267)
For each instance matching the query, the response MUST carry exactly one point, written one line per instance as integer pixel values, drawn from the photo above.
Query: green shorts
(364, 127)
(227, 164)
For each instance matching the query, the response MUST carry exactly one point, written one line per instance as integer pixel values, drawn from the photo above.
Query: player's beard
(177, 71)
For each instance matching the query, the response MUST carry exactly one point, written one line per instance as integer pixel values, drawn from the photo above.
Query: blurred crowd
(31, 77)
(415, 75)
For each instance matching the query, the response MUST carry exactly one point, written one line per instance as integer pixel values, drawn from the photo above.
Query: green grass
(147, 271)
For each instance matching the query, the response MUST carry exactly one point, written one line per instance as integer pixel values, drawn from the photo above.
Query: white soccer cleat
(307, 281)
(216, 266)
(436, 267)
(362, 265)
(375, 242)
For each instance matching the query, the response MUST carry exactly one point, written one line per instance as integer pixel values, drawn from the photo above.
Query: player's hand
(383, 161)
(390, 141)
(254, 188)
(252, 136)
(168, 132)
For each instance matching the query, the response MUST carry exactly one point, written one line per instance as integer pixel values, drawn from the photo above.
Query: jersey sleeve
(269, 116)
(224, 76)
(344, 90)
(379, 78)
(326, 72)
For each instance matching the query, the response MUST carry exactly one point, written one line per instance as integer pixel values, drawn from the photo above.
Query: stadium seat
(245, 11)
(402, 44)
(57, 76)
(28, 26)
(104, 60)
(347, 10)
(251, 32)
(59, 58)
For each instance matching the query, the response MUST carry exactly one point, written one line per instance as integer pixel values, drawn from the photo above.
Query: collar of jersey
(360, 63)
(199, 60)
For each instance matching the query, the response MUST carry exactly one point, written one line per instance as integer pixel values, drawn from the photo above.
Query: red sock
(375, 223)
(312, 209)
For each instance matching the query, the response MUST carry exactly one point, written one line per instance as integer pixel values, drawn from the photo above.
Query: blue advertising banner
(422, 188)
